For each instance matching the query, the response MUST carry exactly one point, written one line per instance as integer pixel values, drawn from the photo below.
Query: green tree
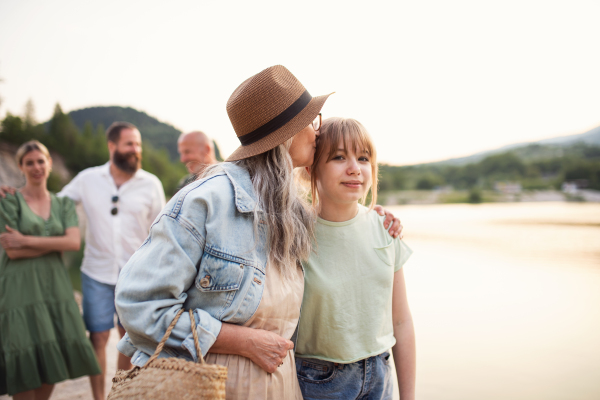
(584, 170)
(12, 129)
(63, 134)
(29, 114)
(158, 163)
(505, 165)
(475, 196)
(428, 182)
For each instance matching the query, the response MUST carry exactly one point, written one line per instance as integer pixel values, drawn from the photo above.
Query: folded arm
(16, 254)
(18, 245)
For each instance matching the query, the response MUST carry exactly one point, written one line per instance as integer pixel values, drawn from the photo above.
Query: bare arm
(404, 351)
(266, 349)
(13, 240)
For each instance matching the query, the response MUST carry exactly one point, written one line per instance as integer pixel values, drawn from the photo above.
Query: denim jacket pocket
(219, 272)
(386, 254)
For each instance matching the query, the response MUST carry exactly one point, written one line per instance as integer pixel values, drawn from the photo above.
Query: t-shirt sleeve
(72, 190)
(9, 212)
(69, 213)
(403, 252)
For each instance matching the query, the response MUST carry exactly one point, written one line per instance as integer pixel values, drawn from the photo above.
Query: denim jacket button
(242, 266)
(205, 282)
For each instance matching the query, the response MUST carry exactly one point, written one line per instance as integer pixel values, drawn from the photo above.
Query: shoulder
(88, 175)
(90, 172)
(214, 192)
(148, 177)
(206, 202)
(228, 183)
(64, 201)
(9, 209)
(186, 180)
(373, 223)
(372, 218)
(11, 200)
(215, 187)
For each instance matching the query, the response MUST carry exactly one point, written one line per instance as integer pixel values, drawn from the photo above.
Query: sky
(430, 80)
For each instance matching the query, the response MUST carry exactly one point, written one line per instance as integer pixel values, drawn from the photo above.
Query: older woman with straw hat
(227, 247)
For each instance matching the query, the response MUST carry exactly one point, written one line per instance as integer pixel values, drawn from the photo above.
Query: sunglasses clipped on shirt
(114, 210)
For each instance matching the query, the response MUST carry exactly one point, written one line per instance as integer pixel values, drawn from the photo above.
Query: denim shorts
(370, 378)
(98, 304)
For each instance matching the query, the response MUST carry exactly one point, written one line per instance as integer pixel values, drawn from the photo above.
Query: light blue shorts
(370, 378)
(98, 305)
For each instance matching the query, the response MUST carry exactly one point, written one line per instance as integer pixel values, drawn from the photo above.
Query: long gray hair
(290, 221)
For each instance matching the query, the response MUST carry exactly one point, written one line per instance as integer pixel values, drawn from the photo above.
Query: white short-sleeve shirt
(111, 239)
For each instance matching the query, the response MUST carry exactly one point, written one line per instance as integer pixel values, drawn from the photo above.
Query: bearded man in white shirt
(120, 201)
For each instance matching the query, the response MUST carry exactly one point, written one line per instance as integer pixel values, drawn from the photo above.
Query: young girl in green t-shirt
(355, 307)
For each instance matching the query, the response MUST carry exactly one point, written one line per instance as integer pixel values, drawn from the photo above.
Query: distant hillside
(551, 145)
(159, 134)
(85, 148)
(590, 137)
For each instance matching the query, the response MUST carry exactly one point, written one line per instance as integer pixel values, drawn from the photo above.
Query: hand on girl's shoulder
(4, 190)
(8, 199)
(390, 222)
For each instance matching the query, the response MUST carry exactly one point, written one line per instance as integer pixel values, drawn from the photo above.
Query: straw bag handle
(168, 333)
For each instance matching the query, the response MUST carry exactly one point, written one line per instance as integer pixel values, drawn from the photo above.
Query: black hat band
(286, 116)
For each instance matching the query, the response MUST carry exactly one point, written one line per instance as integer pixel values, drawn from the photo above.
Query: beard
(127, 162)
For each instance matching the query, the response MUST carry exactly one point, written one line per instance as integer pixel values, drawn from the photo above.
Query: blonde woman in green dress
(42, 336)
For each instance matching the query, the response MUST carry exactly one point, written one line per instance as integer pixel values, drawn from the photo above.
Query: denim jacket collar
(245, 197)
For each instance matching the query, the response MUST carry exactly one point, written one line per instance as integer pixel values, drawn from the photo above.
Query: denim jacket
(203, 253)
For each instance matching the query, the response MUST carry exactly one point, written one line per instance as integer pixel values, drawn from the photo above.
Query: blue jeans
(370, 378)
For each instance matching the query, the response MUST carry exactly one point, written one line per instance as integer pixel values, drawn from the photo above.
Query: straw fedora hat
(269, 108)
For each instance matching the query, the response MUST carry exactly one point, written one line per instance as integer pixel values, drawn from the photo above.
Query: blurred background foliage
(79, 138)
(535, 167)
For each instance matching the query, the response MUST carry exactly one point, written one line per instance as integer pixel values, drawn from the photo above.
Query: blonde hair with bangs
(353, 136)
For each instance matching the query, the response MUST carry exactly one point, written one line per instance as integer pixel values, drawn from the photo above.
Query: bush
(475, 196)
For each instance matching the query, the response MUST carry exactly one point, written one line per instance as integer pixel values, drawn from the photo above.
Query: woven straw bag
(171, 378)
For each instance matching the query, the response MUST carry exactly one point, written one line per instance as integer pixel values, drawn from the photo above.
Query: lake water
(505, 300)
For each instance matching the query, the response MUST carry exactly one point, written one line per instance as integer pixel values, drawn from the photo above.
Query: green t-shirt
(347, 305)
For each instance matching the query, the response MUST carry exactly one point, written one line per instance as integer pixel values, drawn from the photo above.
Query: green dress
(42, 335)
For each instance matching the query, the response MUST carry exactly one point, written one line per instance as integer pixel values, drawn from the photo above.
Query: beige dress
(278, 312)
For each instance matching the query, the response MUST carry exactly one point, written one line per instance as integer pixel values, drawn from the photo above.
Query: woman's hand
(396, 229)
(267, 349)
(12, 239)
(6, 189)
